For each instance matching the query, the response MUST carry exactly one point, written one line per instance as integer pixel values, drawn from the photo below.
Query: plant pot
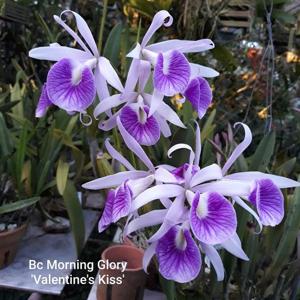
(9, 242)
(131, 285)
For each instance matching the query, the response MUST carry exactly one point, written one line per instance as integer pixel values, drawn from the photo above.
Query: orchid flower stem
(102, 24)
(139, 31)
(117, 140)
(133, 160)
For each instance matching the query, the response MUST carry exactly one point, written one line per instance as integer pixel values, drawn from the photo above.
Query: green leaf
(284, 17)
(287, 167)
(4, 107)
(20, 154)
(10, 207)
(208, 126)
(6, 144)
(262, 156)
(62, 173)
(113, 44)
(168, 287)
(75, 214)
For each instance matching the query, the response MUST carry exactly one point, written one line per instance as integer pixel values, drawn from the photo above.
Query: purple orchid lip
(269, 201)
(171, 73)
(71, 87)
(199, 94)
(137, 122)
(213, 219)
(178, 255)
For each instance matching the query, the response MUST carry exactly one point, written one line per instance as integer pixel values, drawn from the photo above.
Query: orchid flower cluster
(78, 75)
(197, 204)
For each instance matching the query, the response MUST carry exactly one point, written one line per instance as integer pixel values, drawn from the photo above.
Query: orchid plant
(197, 213)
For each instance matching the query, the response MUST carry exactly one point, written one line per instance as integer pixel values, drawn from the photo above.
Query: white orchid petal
(161, 18)
(135, 52)
(279, 181)
(214, 257)
(156, 192)
(113, 180)
(182, 146)
(163, 175)
(233, 245)
(110, 74)
(240, 202)
(84, 30)
(225, 187)
(60, 52)
(184, 46)
(138, 186)
(198, 145)
(240, 148)
(151, 218)
(149, 253)
(212, 172)
(202, 71)
(118, 156)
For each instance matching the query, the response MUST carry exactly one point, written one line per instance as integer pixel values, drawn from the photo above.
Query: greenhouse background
(47, 161)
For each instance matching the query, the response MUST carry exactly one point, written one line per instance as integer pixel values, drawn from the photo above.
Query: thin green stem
(139, 31)
(102, 24)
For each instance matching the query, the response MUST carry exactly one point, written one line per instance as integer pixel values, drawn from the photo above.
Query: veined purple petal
(43, 104)
(213, 219)
(178, 255)
(171, 73)
(199, 94)
(143, 128)
(106, 218)
(71, 87)
(268, 199)
(122, 201)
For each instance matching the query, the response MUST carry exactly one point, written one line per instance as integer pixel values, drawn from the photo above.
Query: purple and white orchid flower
(198, 212)
(128, 184)
(134, 109)
(77, 75)
(173, 73)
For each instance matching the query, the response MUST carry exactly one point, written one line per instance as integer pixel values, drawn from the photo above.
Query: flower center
(202, 207)
(180, 240)
(166, 63)
(142, 115)
(76, 75)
